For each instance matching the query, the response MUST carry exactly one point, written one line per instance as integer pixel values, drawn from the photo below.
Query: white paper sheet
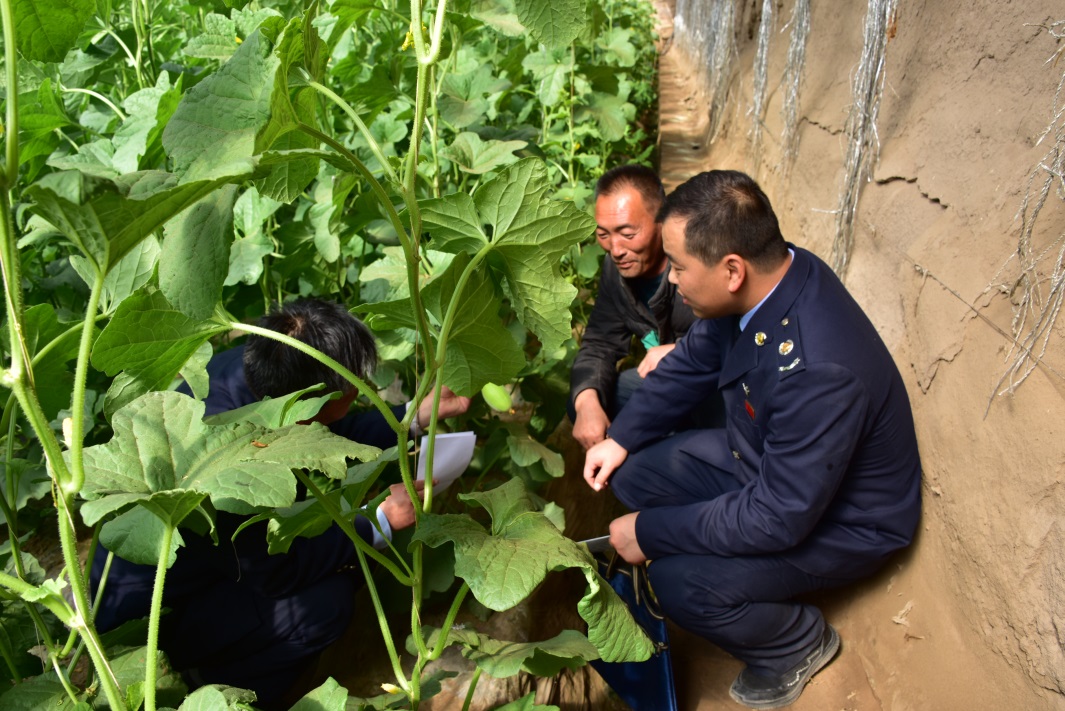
(451, 456)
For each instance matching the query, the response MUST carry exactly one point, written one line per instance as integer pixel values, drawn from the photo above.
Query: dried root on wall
(1037, 282)
(863, 143)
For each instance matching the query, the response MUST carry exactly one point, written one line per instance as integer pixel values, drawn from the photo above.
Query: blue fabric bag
(648, 685)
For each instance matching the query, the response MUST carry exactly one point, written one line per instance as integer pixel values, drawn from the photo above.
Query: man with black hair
(814, 481)
(635, 299)
(238, 615)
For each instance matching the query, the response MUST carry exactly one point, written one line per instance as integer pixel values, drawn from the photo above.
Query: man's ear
(737, 272)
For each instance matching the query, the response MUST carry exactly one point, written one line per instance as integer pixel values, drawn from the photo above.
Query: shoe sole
(800, 684)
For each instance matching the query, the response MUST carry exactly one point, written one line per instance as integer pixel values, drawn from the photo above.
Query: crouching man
(238, 615)
(815, 479)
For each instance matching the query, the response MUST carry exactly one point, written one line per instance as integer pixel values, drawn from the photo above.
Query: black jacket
(617, 316)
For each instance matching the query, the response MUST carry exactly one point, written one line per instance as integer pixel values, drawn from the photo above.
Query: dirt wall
(970, 618)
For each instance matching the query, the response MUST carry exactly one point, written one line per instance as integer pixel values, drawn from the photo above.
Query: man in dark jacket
(815, 480)
(239, 615)
(635, 299)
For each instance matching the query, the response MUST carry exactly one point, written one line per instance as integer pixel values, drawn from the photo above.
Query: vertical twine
(792, 78)
(761, 68)
(864, 143)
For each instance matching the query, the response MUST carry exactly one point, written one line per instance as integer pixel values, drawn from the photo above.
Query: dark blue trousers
(744, 604)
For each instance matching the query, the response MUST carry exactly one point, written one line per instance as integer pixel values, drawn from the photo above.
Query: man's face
(704, 288)
(628, 232)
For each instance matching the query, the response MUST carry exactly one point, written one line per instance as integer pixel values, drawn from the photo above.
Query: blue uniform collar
(759, 328)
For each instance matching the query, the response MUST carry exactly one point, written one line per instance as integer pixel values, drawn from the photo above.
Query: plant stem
(10, 176)
(449, 621)
(349, 530)
(151, 663)
(96, 95)
(382, 621)
(473, 687)
(370, 140)
(77, 406)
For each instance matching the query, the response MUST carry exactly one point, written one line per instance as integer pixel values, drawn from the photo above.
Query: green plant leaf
(213, 698)
(161, 446)
(526, 451)
(41, 115)
(612, 114)
(526, 703)
(136, 535)
(129, 664)
(330, 696)
(43, 692)
(618, 48)
(45, 30)
(194, 372)
(555, 23)
(246, 259)
(130, 273)
(499, 659)
(194, 260)
(504, 565)
(95, 158)
(216, 128)
(217, 40)
(276, 412)
(550, 70)
(479, 349)
(147, 112)
(150, 341)
(106, 219)
(530, 234)
(52, 375)
(475, 156)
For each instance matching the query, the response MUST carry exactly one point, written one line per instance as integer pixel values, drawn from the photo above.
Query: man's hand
(623, 538)
(601, 461)
(398, 508)
(450, 406)
(654, 354)
(591, 424)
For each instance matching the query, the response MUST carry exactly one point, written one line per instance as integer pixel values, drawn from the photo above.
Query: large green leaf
(41, 115)
(330, 696)
(613, 115)
(136, 535)
(106, 219)
(216, 127)
(147, 112)
(195, 256)
(45, 30)
(51, 374)
(38, 693)
(504, 565)
(150, 341)
(218, 40)
(555, 23)
(479, 348)
(499, 659)
(551, 72)
(162, 449)
(529, 235)
(475, 156)
(130, 273)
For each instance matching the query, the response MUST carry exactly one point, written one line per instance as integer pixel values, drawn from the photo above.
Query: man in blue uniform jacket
(238, 615)
(815, 480)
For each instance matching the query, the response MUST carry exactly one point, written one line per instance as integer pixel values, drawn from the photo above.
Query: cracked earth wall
(971, 618)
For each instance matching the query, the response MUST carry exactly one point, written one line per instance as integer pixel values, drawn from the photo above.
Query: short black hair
(727, 213)
(273, 369)
(639, 177)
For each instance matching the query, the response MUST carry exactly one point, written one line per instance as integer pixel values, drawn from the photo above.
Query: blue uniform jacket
(200, 563)
(819, 431)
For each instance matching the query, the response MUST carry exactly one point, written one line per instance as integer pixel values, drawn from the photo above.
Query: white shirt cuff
(381, 538)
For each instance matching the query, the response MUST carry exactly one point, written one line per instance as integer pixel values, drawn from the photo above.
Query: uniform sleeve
(813, 430)
(681, 382)
(606, 341)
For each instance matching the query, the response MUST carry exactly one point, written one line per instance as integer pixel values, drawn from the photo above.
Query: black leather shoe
(772, 692)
